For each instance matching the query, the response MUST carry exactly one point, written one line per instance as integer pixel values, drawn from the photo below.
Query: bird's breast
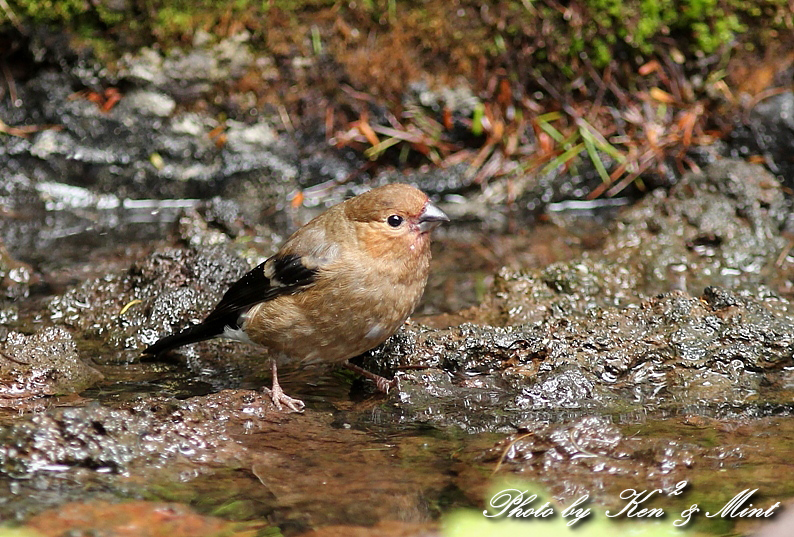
(338, 319)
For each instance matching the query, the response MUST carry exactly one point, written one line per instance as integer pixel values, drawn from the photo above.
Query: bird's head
(394, 219)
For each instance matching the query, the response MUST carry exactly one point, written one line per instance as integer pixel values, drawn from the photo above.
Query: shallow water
(354, 458)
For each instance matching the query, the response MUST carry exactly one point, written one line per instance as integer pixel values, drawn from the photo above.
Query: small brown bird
(341, 285)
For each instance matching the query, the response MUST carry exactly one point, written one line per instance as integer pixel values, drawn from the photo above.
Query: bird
(339, 286)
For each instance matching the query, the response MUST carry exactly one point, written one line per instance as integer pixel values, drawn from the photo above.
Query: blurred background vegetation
(629, 88)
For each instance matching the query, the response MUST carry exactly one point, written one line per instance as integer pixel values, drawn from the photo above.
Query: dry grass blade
(27, 130)
(503, 456)
(9, 13)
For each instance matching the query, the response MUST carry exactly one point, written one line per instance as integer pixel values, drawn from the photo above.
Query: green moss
(6, 531)
(73, 12)
(434, 32)
(171, 20)
(599, 27)
(54, 10)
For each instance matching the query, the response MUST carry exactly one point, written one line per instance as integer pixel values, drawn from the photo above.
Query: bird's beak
(431, 217)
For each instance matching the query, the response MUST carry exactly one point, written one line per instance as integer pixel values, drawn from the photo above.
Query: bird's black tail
(191, 334)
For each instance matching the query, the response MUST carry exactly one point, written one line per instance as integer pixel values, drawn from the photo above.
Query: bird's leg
(279, 397)
(383, 384)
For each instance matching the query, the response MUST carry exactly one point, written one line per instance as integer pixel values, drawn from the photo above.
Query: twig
(11, 16)
(12, 86)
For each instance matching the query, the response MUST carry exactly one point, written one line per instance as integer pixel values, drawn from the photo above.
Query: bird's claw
(280, 398)
(384, 384)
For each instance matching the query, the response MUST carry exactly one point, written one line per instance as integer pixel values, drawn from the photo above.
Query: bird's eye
(395, 220)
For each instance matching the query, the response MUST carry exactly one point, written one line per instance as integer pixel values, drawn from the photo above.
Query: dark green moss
(73, 13)
(594, 27)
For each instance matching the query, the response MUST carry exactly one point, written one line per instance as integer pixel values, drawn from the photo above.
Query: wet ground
(583, 353)
(565, 367)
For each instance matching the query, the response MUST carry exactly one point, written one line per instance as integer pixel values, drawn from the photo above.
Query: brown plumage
(341, 285)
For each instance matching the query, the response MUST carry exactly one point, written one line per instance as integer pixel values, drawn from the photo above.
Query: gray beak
(431, 217)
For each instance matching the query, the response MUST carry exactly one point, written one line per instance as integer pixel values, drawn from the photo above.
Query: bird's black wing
(288, 274)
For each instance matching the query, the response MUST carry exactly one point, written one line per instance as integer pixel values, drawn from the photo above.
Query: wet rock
(69, 454)
(445, 181)
(8, 315)
(520, 297)
(222, 221)
(230, 451)
(96, 437)
(137, 148)
(145, 67)
(195, 69)
(45, 363)
(242, 138)
(157, 296)
(21, 207)
(133, 518)
(671, 351)
(149, 103)
(721, 227)
(593, 453)
(15, 277)
(107, 439)
(770, 131)
(570, 387)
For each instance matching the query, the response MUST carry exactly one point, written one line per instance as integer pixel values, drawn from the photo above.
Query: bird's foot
(281, 399)
(383, 384)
